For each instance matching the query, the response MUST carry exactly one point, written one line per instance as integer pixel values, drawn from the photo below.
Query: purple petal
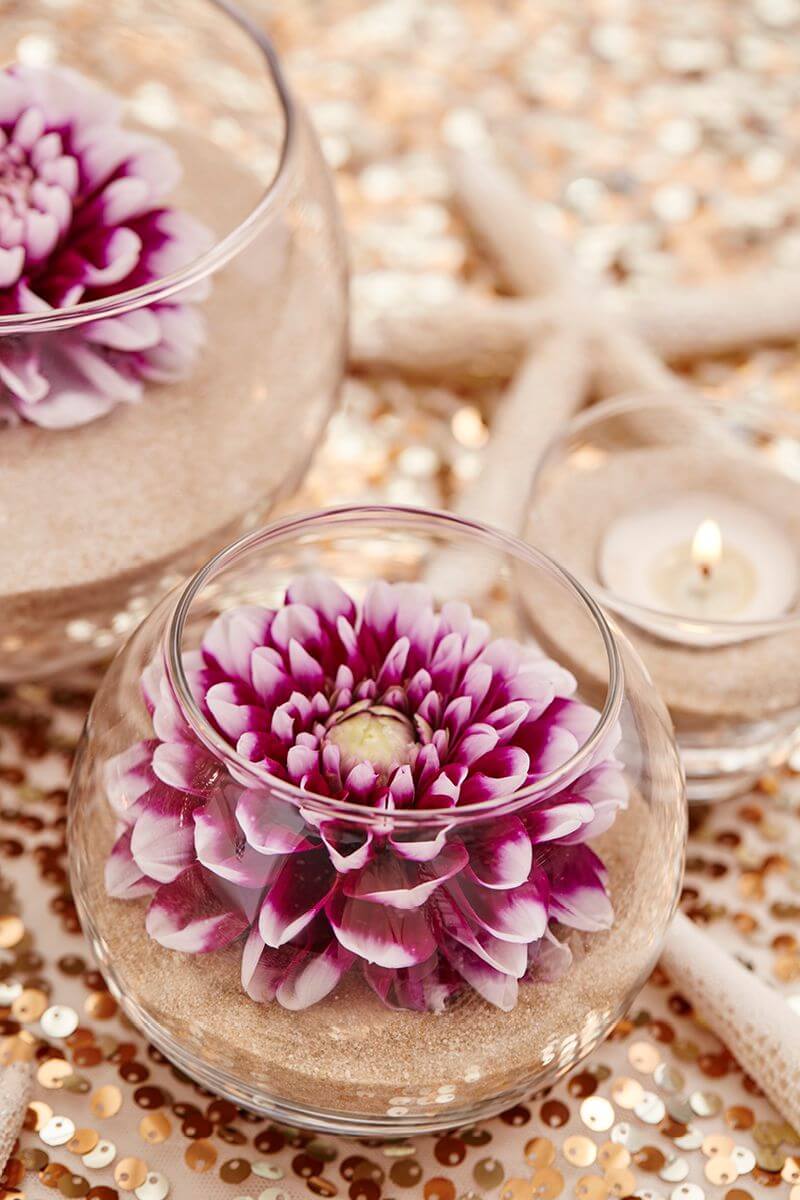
(123, 878)
(271, 826)
(499, 773)
(558, 821)
(323, 594)
(312, 976)
(379, 934)
(221, 846)
(191, 916)
(263, 967)
(186, 766)
(296, 892)
(349, 849)
(578, 895)
(402, 883)
(518, 915)
(228, 704)
(230, 641)
(494, 986)
(128, 776)
(424, 988)
(500, 855)
(162, 841)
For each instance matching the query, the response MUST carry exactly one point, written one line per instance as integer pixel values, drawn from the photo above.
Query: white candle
(702, 557)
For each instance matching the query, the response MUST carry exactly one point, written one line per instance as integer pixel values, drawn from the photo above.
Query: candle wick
(705, 570)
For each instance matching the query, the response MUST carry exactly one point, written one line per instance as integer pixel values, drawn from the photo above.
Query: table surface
(665, 141)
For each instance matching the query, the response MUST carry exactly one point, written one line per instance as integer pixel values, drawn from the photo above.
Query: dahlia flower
(82, 218)
(410, 713)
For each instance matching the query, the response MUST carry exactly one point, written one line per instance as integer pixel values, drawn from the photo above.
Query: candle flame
(707, 546)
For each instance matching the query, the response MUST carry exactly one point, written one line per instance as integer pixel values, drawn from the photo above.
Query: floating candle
(700, 556)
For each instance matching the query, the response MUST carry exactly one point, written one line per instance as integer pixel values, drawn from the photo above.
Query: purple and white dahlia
(82, 218)
(411, 714)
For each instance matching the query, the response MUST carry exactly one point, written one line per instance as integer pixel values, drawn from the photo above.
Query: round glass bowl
(364, 859)
(650, 469)
(147, 418)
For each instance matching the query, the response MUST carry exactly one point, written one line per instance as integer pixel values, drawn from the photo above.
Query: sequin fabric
(664, 139)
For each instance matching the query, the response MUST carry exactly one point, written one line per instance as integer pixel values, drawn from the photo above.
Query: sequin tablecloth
(661, 1110)
(665, 141)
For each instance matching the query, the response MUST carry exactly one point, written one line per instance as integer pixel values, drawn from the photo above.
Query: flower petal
(312, 976)
(494, 986)
(501, 855)
(123, 878)
(578, 893)
(162, 841)
(379, 934)
(221, 846)
(191, 916)
(271, 826)
(518, 915)
(402, 883)
(297, 890)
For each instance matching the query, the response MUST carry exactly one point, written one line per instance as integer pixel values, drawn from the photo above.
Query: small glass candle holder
(360, 857)
(172, 309)
(683, 518)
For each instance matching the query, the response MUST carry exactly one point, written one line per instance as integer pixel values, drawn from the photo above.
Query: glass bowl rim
(715, 410)
(365, 514)
(223, 250)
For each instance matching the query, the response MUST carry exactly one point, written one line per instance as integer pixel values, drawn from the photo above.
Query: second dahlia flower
(83, 218)
(340, 833)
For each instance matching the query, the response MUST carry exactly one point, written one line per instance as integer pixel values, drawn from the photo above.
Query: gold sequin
(580, 1151)
(768, 1133)
(130, 1173)
(738, 1116)
(627, 1092)
(644, 1056)
(83, 1140)
(513, 1189)
(743, 1159)
(53, 1072)
(42, 1113)
(597, 1113)
(613, 1154)
(620, 1181)
(155, 1127)
(100, 1005)
(12, 931)
(201, 1155)
(720, 1170)
(718, 1144)
(102, 1155)
(29, 1005)
(791, 1170)
(592, 1187)
(106, 1101)
(546, 1183)
(489, 1173)
(769, 1158)
(154, 1187)
(540, 1152)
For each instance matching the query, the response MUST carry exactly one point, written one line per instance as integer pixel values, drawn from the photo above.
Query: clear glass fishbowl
(357, 852)
(172, 308)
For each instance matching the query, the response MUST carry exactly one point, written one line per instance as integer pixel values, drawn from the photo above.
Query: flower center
(377, 735)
